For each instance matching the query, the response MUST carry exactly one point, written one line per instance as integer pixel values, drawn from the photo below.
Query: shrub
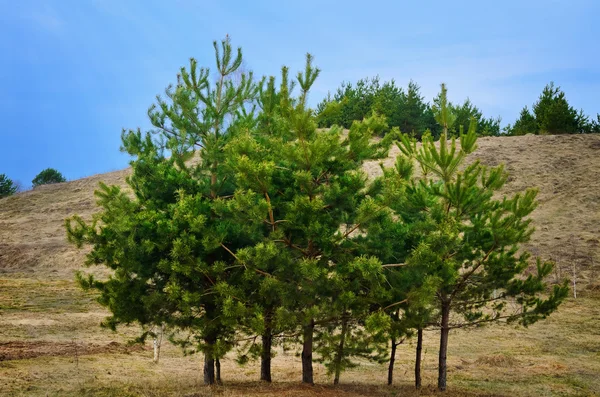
(48, 176)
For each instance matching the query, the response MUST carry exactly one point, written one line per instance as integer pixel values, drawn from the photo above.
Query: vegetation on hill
(276, 231)
(7, 186)
(408, 110)
(47, 177)
(405, 109)
(553, 115)
(461, 254)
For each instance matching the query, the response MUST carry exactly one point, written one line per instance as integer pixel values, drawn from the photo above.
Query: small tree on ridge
(48, 176)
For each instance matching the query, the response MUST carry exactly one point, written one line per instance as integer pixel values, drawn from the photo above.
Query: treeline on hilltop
(405, 109)
(408, 110)
(8, 187)
(277, 237)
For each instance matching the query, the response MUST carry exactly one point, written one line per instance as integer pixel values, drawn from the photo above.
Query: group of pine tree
(408, 110)
(246, 227)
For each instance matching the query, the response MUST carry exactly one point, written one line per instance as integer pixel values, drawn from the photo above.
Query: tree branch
(243, 264)
(395, 265)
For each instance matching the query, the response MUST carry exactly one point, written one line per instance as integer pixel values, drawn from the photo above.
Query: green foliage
(331, 112)
(473, 246)
(412, 114)
(442, 111)
(552, 114)
(170, 244)
(257, 235)
(594, 126)
(313, 189)
(526, 124)
(7, 186)
(405, 109)
(48, 176)
(243, 219)
(386, 100)
(354, 103)
(453, 245)
(467, 111)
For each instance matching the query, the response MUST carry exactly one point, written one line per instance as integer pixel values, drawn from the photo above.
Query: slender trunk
(209, 362)
(157, 343)
(218, 368)
(395, 317)
(267, 341)
(442, 366)
(339, 355)
(307, 351)
(392, 360)
(156, 350)
(418, 358)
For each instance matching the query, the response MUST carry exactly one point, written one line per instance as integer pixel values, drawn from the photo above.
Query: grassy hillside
(51, 344)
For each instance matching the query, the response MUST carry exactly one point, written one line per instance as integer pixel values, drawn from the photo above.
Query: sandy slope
(566, 169)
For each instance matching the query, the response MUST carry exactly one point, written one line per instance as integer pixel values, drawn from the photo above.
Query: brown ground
(44, 315)
(19, 350)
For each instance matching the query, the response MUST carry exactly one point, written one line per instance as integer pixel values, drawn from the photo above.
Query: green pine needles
(464, 257)
(7, 186)
(245, 227)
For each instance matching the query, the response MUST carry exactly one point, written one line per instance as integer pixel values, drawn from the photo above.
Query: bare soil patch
(19, 350)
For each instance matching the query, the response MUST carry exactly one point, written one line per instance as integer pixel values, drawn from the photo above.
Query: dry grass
(566, 170)
(51, 344)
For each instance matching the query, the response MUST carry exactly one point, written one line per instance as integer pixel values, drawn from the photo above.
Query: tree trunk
(209, 369)
(209, 362)
(218, 368)
(267, 341)
(157, 343)
(339, 355)
(392, 360)
(307, 351)
(442, 366)
(156, 346)
(418, 358)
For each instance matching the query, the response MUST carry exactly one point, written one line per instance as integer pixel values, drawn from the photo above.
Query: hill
(50, 341)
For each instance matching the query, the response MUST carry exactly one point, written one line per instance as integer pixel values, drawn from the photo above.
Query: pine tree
(7, 186)
(311, 185)
(330, 112)
(409, 304)
(467, 111)
(553, 113)
(354, 288)
(360, 99)
(412, 108)
(472, 252)
(388, 102)
(526, 124)
(353, 102)
(169, 242)
(443, 112)
(47, 176)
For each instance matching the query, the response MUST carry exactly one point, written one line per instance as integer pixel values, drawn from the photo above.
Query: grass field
(51, 343)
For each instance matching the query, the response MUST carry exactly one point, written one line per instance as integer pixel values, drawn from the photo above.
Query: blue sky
(73, 73)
